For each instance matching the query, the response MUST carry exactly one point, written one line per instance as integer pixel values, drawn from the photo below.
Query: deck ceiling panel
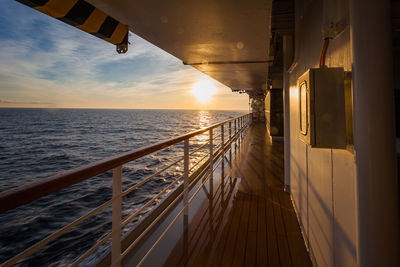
(204, 31)
(238, 76)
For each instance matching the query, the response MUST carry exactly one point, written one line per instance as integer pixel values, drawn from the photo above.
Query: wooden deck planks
(284, 254)
(297, 248)
(254, 224)
(272, 241)
(240, 245)
(219, 246)
(227, 254)
(262, 252)
(251, 243)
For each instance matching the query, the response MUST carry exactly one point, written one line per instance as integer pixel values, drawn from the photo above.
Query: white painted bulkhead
(323, 182)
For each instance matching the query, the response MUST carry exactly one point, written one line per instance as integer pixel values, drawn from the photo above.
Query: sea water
(37, 143)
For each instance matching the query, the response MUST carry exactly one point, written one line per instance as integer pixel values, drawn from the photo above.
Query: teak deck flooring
(249, 220)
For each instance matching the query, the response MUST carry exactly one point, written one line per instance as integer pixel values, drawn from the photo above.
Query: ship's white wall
(322, 181)
(374, 133)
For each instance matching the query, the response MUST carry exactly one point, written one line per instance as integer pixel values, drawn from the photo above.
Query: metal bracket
(122, 48)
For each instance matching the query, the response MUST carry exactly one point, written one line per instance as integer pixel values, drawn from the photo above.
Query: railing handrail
(27, 193)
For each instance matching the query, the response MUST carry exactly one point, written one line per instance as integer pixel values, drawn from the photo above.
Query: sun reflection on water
(204, 118)
(199, 157)
(204, 121)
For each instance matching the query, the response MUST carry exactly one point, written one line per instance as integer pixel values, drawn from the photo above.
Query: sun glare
(204, 90)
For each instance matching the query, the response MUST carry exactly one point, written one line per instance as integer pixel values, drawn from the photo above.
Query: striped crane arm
(86, 17)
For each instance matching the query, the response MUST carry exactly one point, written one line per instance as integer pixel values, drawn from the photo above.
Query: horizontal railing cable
(92, 249)
(124, 193)
(130, 218)
(198, 162)
(56, 234)
(198, 148)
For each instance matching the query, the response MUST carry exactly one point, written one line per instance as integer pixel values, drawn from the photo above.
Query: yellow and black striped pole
(86, 17)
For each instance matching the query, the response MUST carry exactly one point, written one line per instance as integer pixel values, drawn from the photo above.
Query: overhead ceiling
(225, 39)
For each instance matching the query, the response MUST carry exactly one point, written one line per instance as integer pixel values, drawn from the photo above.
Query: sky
(47, 63)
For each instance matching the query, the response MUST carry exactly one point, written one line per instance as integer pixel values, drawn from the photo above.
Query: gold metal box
(322, 116)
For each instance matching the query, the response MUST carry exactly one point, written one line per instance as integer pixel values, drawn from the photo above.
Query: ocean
(37, 143)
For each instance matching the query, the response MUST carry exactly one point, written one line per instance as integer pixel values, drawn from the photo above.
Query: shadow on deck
(247, 220)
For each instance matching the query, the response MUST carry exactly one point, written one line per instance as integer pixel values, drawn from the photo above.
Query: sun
(204, 90)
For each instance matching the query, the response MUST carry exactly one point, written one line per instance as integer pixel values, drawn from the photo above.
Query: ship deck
(248, 220)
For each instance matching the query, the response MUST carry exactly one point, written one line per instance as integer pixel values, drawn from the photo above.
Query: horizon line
(125, 108)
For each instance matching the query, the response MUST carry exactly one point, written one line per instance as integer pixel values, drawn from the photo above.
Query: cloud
(44, 61)
(49, 49)
(2, 101)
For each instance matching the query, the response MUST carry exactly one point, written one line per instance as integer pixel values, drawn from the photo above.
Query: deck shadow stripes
(252, 223)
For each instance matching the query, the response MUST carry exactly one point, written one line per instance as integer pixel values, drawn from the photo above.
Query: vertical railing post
(242, 119)
(240, 130)
(244, 125)
(241, 127)
(116, 216)
(235, 131)
(222, 140)
(230, 130)
(186, 175)
(186, 196)
(211, 154)
(211, 186)
(250, 119)
(230, 137)
(223, 163)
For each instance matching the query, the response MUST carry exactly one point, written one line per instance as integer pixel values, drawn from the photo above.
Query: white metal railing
(16, 197)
